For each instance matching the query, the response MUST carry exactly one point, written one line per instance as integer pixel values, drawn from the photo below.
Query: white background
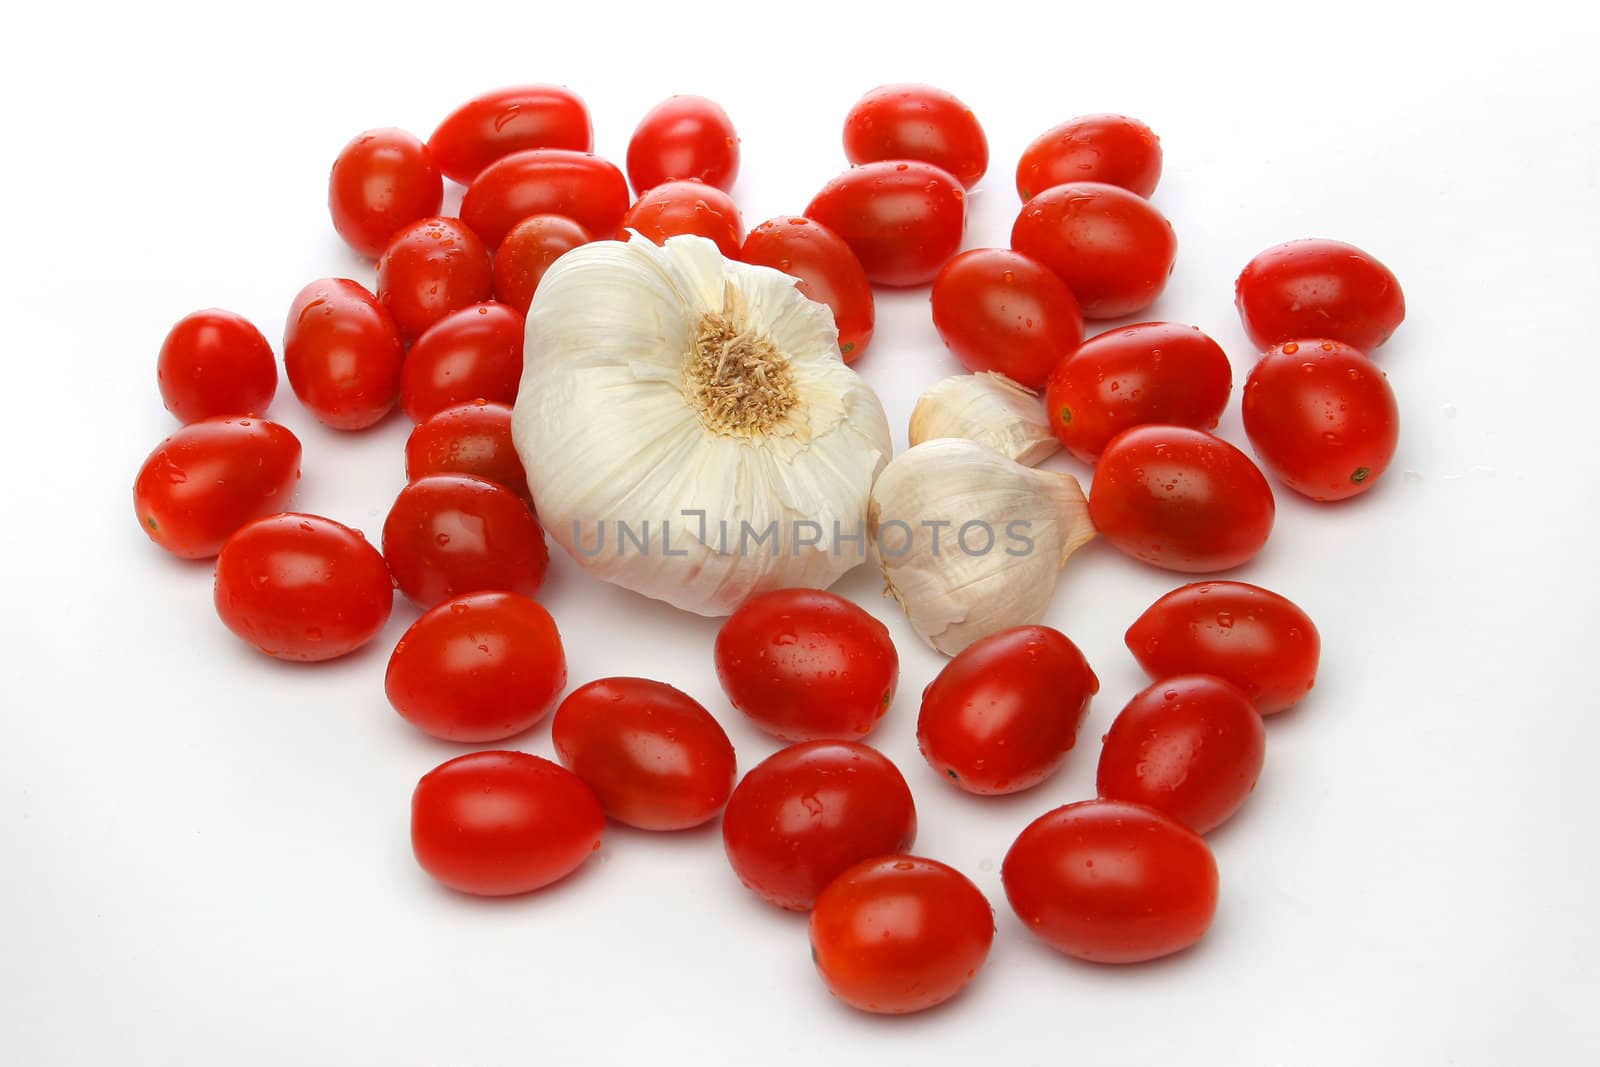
(204, 856)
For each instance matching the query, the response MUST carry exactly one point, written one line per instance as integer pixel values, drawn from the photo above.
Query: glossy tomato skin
(342, 353)
(471, 354)
(382, 180)
(1319, 288)
(805, 664)
(503, 121)
(1151, 372)
(210, 478)
(1110, 246)
(1252, 637)
(656, 759)
(903, 220)
(1181, 499)
(545, 181)
(431, 268)
(451, 534)
(1111, 882)
(684, 138)
(214, 362)
(808, 812)
(917, 122)
(1113, 149)
(1003, 311)
(529, 249)
(302, 588)
(1003, 714)
(829, 273)
(472, 438)
(899, 934)
(497, 823)
(672, 208)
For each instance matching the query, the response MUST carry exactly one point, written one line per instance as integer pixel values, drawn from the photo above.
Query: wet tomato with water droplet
(1003, 311)
(829, 273)
(917, 122)
(674, 208)
(545, 181)
(903, 220)
(1110, 246)
(214, 362)
(342, 354)
(472, 438)
(687, 138)
(503, 121)
(450, 534)
(471, 354)
(381, 181)
(429, 269)
(1319, 288)
(1113, 149)
(529, 249)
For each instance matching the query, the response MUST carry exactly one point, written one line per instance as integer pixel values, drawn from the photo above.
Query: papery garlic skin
(954, 595)
(664, 381)
(988, 408)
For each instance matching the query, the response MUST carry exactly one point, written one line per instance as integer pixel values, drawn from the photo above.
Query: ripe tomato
(671, 208)
(1110, 246)
(1111, 882)
(499, 823)
(898, 934)
(903, 220)
(472, 438)
(1000, 310)
(1318, 288)
(504, 121)
(301, 587)
(381, 181)
(450, 534)
(829, 273)
(342, 353)
(1113, 149)
(805, 664)
(917, 122)
(214, 362)
(1322, 417)
(1002, 715)
(1180, 499)
(686, 138)
(471, 354)
(430, 269)
(1150, 372)
(210, 478)
(1252, 637)
(808, 812)
(545, 181)
(527, 251)
(656, 759)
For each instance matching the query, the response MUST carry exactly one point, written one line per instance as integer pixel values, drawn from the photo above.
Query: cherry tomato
(301, 587)
(381, 181)
(430, 269)
(210, 478)
(1000, 310)
(684, 138)
(1322, 417)
(495, 824)
(829, 273)
(1180, 499)
(342, 353)
(471, 354)
(1318, 288)
(545, 181)
(917, 122)
(504, 121)
(1111, 882)
(527, 251)
(1252, 637)
(214, 362)
(671, 208)
(1110, 246)
(450, 534)
(805, 664)
(1113, 149)
(898, 934)
(808, 812)
(903, 220)
(472, 438)
(656, 759)
(1149, 372)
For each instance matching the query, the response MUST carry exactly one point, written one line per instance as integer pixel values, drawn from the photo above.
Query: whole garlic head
(988, 408)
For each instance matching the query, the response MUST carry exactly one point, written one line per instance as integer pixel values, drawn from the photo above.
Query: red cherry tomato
(829, 273)
(471, 354)
(1322, 417)
(1113, 149)
(898, 934)
(1000, 310)
(917, 122)
(545, 181)
(430, 269)
(214, 362)
(1111, 882)
(383, 180)
(808, 812)
(671, 208)
(656, 759)
(1180, 499)
(903, 220)
(805, 664)
(684, 138)
(527, 251)
(210, 478)
(499, 823)
(472, 438)
(1318, 288)
(301, 587)
(450, 534)
(1252, 637)
(342, 354)
(498, 123)
(1110, 246)
(1150, 372)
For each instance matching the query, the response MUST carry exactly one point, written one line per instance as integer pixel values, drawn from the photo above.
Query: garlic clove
(988, 408)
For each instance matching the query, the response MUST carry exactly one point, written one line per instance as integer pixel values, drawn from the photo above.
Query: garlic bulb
(988, 408)
(689, 429)
(971, 542)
